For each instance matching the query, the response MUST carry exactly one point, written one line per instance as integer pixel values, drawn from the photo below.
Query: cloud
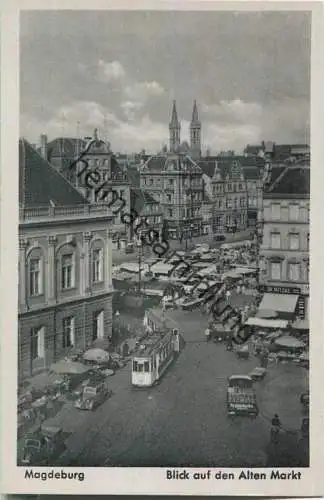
(142, 91)
(110, 71)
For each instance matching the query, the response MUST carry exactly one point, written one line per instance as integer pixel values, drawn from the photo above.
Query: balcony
(64, 213)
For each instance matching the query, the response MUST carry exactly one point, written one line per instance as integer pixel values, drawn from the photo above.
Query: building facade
(106, 175)
(284, 253)
(65, 278)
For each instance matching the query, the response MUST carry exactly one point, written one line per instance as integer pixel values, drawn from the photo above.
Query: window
(97, 265)
(144, 180)
(37, 347)
(170, 212)
(242, 202)
(98, 325)
(171, 181)
(294, 242)
(293, 271)
(275, 270)
(307, 241)
(121, 196)
(240, 187)
(68, 339)
(229, 187)
(67, 276)
(169, 198)
(135, 366)
(151, 181)
(275, 211)
(275, 240)
(293, 212)
(235, 202)
(35, 277)
(228, 203)
(146, 366)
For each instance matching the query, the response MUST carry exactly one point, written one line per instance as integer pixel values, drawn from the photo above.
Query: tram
(155, 355)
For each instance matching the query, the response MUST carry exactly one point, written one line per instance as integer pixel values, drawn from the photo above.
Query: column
(23, 245)
(86, 261)
(51, 271)
(108, 260)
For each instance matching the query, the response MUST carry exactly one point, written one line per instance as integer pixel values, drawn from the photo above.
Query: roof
(250, 165)
(294, 181)
(67, 146)
(40, 184)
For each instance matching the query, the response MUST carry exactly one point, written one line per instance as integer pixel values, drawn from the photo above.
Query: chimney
(43, 146)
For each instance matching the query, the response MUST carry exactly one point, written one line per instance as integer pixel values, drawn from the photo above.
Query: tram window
(134, 366)
(146, 366)
(140, 367)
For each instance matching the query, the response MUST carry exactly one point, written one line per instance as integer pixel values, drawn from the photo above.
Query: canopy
(160, 268)
(131, 267)
(267, 323)
(289, 342)
(301, 324)
(245, 270)
(231, 274)
(278, 302)
(267, 314)
(69, 368)
(98, 355)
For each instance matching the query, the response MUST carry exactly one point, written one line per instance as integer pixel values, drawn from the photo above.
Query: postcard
(161, 248)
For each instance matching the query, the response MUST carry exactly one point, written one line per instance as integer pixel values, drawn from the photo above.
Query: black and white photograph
(164, 249)
(164, 192)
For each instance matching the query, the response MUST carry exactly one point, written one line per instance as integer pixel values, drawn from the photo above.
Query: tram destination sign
(280, 290)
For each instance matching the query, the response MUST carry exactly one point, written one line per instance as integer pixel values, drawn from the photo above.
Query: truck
(241, 397)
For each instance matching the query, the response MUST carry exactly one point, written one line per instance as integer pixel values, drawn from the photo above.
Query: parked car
(258, 373)
(92, 396)
(43, 446)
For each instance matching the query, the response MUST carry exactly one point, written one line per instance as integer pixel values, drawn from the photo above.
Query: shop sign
(280, 290)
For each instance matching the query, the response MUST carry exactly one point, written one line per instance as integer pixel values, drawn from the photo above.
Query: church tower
(174, 128)
(195, 134)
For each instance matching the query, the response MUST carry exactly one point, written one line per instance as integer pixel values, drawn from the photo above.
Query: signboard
(279, 289)
(304, 289)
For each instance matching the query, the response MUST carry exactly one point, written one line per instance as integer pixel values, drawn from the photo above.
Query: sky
(119, 72)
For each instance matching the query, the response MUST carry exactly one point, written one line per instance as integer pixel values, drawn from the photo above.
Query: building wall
(286, 243)
(47, 242)
(230, 200)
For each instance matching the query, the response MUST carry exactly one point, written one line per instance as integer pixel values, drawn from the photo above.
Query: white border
(146, 480)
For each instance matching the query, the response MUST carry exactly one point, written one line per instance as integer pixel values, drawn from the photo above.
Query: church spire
(174, 116)
(195, 133)
(174, 129)
(195, 117)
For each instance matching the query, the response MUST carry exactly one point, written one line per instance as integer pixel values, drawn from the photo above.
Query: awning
(289, 342)
(245, 270)
(278, 302)
(267, 323)
(301, 324)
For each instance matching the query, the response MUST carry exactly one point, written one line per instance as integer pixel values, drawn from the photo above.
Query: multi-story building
(62, 152)
(284, 254)
(279, 152)
(65, 279)
(174, 180)
(251, 169)
(226, 190)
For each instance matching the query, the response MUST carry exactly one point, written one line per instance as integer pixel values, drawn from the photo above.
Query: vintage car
(43, 446)
(241, 398)
(258, 373)
(93, 395)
